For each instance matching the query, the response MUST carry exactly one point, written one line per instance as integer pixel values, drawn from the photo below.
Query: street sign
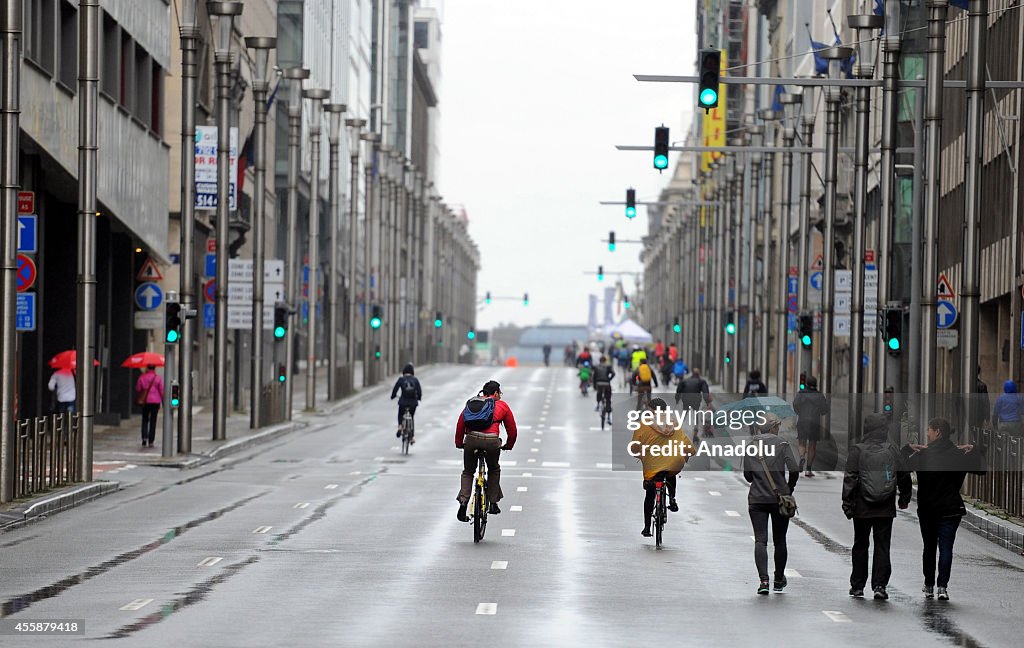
(791, 286)
(947, 338)
(791, 322)
(816, 279)
(844, 281)
(791, 347)
(210, 267)
(26, 202)
(26, 273)
(864, 360)
(791, 304)
(240, 317)
(209, 316)
(241, 270)
(945, 314)
(818, 264)
(149, 271)
(241, 293)
(28, 240)
(149, 320)
(149, 296)
(944, 290)
(870, 326)
(842, 304)
(211, 245)
(305, 311)
(210, 290)
(206, 168)
(869, 256)
(841, 325)
(25, 312)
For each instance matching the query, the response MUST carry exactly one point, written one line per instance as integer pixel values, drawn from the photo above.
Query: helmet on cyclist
(407, 370)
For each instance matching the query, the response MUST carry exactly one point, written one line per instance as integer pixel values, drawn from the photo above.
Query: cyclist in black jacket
(409, 393)
(602, 379)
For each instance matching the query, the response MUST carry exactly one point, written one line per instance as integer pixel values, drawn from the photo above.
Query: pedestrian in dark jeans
(763, 501)
(149, 393)
(941, 467)
(873, 476)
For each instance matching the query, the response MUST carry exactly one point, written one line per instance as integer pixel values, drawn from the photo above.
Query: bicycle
(407, 431)
(660, 507)
(478, 502)
(606, 406)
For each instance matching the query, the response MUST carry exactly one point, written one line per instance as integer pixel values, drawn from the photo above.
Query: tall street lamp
(755, 134)
(261, 47)
(790, 106)
(334, 112)
(354, 126)
(295, 77)
(804, 360)
(316, 97)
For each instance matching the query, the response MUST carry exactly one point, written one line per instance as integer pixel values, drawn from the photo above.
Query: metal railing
(1003, 486)
(46, 453)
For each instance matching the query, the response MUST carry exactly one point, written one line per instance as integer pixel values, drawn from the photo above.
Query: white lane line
(379, 458)
(541, 420)
(536, 440)
(137, 604)
(487, 608)
(714, 494)
(516, 508)
(209, 562)
(837, 616)
(499, 564)
(733, 513)
(450, 462)
(555, 464)
(301, 505)
(534, 449)
(524, 427)
(540, 427)
(594, 429)
(540, 433)
(508, 463)
(559, 427)
(531, 461)
(699, 479)
(522, 489)
(396, 447)
(527, 474)
(603, 465)
(262, 529)
(333, 486)
(356, 472)
(508, 533)
(792, 573)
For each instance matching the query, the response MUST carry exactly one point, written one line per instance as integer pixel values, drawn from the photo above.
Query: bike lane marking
(499, 564)
(508, 533)
(487, 608)
(732, 513)
(837, 616)
(137, 604)
(209, 562)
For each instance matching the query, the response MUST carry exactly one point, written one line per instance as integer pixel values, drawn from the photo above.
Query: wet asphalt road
(329, 537)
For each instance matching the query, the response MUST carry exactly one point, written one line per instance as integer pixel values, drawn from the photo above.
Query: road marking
(527, 474)
(137, 604)
(487, 608)
(333, 486)
(499, 564)
(540, 433)
(301, 505)
(559, 427)
(516, 508)
(262, 529)
(510, 463)
(837, 616)
(508, 533)
(732, 513)
(450, 462)
(531, 460)
(534, 449)
(536, 440)
(522, 489)
(541, 420)
(714, 494)
(699, 479)
(396, 447)
(209, 562)
(539, 427)
(603, 465)
(356, 472)
(555, 464)
(792, 573)
(524, 427)
(595, 429)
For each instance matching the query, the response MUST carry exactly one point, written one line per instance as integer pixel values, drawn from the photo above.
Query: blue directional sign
(149, 296)
(209, 316)
(791, 286)
(945, 314)
(28, 240)
(816, 279)
(211, 265)
(791, 347)
(791, 321)
(25, 312)
(864, 360)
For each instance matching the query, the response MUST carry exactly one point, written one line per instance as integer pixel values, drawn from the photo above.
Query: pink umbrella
(143, 360)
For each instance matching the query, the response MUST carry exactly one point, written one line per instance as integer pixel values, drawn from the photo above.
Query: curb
(70, 498)
(996, 530)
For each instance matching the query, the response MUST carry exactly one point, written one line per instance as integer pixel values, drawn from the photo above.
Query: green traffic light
(172, 336)
(279, 332)
(730, 328)
(438, 323)
(631, 211)
(600, 277)
(728, 359)
(375, 322)
(660, 162)
(280, 378)
(611, 247)
(676, 328)
(625, 305)
(806, 340)
(376, 354)
(894, 344)
(708, 97)
(175, 402)
(470, 335)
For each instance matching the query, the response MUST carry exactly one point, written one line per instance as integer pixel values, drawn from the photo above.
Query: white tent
(630, 331)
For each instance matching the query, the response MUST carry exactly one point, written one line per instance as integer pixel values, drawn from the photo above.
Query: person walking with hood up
(1008, 412)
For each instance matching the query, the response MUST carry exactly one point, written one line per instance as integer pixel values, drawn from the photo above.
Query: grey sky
(534, 96)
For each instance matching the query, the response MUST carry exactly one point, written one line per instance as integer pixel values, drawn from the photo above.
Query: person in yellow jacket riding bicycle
(643, 379)
(674, 449)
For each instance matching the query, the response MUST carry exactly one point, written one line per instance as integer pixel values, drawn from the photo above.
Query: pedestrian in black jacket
(941, 467)
(874, 474)
(810, 405)
(409, 393)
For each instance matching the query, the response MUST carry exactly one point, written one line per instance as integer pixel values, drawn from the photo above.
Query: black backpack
(408, 388)
(479, 413)
(878, 465)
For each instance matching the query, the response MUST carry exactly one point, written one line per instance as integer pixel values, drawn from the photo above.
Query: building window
(157, 99)
(46, 31)
(126, 72)
(68, 72)
(141, 87)
(110, 45)
(421, 35)
(289, 33)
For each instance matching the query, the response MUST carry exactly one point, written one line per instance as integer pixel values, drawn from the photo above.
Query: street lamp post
(789, 103)
(864, 68)
(767, 224)
(756, 135)
(261, 46)
(737, 272)
(316, 97)
(334, 112)
(295, 77)
(804, 359)
(354, 126)
(224, 13)
(369, 276)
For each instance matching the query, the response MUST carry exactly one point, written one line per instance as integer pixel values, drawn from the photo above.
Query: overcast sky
(535, 94)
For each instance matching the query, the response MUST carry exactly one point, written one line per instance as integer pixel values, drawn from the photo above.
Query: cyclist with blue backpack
(407, 389)
(479, 428)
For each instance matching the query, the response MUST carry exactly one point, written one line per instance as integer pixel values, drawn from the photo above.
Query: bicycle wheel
(405, 440)
(659, 518)
(479, 515)
(603, 415)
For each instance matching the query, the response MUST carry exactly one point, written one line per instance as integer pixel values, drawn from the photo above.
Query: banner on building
(206, 168)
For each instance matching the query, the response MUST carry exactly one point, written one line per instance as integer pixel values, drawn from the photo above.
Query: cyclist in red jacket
(489, 440)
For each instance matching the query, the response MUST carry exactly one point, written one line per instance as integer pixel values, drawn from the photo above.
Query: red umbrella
(67, 360)
(143, 360)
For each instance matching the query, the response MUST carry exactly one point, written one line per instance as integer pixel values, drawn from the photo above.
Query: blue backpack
(479, 413)
(679, 368)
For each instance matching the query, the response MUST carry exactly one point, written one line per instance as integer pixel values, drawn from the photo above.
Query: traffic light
(630, 203)
(526, 299)
(600, 273)
(625, 302)
(803, 380)
(805, 329)
(887, 401)
(710, 68)
(438, 320)
(676, 327)
(661, 148)
(280, 321)
(487, 297)
(281, 374)
(376, 351)
(470, 334)
(730, 324)
(375, 318)
(728, 358)
(611, 241)
(175, 394)
(894, 331)
(172, 322)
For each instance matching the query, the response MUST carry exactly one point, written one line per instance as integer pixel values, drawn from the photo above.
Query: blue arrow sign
(27, 233)
(209, 316)
(791, 286)
(816, 279)
(945, 314)
(211, 265)
(149, 296)
(25, 312)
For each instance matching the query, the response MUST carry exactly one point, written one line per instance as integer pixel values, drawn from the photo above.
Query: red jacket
(502, 414)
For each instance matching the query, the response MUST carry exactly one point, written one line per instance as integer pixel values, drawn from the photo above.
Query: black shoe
(412, 440)
(646, 532)
(763, 587)
(881, 594)
(398, 434)
(780, 585)
(857, 592)
(941, 593)
(672, 506)
(462, 513)
(493, 508)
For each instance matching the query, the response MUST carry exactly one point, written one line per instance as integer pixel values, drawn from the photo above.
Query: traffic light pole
(295, 77)
(332, 280)
(804, 359)
(189, 34)
(832, 100)
(167, 448)
(316, 97)
(765, 309)
(354, 126)
(754, 204)
(785, 261)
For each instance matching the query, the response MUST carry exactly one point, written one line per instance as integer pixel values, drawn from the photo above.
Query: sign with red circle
(26, 272)
(210, 290)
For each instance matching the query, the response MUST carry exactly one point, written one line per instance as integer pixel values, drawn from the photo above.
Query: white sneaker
(943, 594)
(929, 591)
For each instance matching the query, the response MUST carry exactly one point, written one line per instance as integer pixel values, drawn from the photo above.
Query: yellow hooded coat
(665, 436)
